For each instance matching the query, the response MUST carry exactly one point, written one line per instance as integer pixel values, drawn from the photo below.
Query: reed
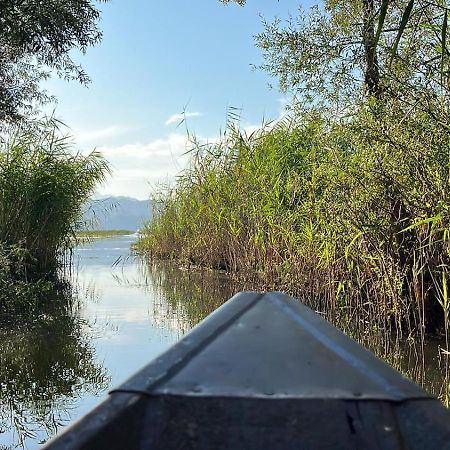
(351, 215)
(44, 184)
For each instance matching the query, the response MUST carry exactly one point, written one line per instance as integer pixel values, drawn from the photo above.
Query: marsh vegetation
(44, 184)
(321, 210)
(102, 234)
(344, 201)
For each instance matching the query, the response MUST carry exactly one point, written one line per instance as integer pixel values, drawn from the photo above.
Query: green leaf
(443, 43)
(381, 18)
(403, 23)
(422, 222)
(349, 246)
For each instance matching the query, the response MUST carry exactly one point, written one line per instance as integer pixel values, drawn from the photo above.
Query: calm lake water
(125, 313)
(57, 369)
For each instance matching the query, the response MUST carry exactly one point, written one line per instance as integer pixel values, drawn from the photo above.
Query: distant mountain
(118, 213)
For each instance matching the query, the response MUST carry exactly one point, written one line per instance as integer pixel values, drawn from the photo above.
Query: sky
(156, 60)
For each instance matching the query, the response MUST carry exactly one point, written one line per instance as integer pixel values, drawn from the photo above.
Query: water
(126, 313)
(58, 368)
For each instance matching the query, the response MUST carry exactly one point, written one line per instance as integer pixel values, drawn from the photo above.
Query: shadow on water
(46, 365)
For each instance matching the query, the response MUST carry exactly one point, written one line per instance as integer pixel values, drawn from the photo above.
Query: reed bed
(44, 184)
(350, 215)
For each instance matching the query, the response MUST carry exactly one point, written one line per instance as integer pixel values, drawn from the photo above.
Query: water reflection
(45, 366)
(424, 362)
(186, 297)
(130, 310)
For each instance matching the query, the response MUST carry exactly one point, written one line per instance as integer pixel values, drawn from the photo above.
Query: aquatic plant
(348, 215)
(43, 187)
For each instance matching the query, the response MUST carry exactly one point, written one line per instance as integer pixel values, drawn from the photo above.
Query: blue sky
(156, 59)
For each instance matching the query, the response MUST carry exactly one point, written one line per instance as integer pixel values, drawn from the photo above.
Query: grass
(352, 216)
(44, 184)
(99, 234)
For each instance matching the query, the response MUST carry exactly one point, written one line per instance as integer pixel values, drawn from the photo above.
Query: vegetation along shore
(343, 202)
(101, 234)
(44, 185)
(44, 181)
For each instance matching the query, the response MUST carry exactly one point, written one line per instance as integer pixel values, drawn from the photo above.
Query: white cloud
(97, 137)
(138, 167)
(176, 118)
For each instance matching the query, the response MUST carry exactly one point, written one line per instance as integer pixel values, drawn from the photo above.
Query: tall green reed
(44, 184)
(351, 215)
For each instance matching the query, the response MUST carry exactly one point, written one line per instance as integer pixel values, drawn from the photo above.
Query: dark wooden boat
(264, 372)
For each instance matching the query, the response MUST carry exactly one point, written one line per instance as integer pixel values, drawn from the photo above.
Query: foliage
(38, 37)
(304, 206)
(339, 43)
(333, 56)
(43, 187)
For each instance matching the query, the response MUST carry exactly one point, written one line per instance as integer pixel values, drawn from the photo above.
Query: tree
(347, 49)
(36, 39)
(336, 47)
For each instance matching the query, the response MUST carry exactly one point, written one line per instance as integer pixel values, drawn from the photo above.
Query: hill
(118, 213)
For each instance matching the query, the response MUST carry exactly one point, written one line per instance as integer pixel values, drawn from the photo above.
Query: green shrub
(349, 215)
(43, 186)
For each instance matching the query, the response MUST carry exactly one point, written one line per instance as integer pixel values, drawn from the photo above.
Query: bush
(43, 186)
(349, 215)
